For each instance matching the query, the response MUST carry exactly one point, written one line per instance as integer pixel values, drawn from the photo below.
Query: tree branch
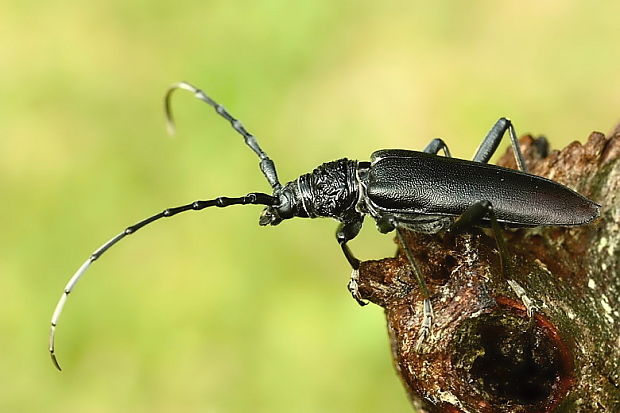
(485, 353)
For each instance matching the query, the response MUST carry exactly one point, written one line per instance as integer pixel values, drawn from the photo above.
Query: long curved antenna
(266, 164)
(252, 198)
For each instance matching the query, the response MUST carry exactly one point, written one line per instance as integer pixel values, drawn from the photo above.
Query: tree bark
(485, 353)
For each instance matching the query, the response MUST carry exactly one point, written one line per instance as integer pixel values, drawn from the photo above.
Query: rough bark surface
(485, 353)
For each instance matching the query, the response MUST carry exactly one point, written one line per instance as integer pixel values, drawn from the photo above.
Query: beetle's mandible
(400, 189)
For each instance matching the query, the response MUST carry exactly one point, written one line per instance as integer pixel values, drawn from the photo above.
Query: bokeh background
(208, 312)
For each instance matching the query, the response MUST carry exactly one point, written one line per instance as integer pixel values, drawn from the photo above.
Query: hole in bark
(448, 264)
(512, 362)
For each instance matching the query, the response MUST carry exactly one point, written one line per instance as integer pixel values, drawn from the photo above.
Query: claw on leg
(427, 322)
(530, 307)
(354, 287)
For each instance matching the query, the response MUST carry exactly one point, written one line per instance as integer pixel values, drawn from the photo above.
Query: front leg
(345, 233)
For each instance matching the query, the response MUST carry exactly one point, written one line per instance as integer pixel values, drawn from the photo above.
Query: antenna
(251, 198)
(266, 165)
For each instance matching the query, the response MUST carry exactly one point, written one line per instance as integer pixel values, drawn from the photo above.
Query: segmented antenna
(252, 198)
(266, 165)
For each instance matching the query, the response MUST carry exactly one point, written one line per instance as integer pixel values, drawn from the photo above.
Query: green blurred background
(209, 312)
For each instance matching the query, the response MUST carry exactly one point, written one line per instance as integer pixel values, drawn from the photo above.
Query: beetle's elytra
(400, 190)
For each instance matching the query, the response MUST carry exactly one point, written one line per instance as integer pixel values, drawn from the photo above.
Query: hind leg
(490, 143)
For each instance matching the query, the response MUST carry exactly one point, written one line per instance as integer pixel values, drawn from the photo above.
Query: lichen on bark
(486, 354)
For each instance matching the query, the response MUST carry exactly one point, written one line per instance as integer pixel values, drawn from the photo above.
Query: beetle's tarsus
(424, 332)
(427, 323)
(530, 307)
(353, 287)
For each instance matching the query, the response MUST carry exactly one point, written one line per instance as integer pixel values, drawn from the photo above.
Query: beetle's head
(285, 209)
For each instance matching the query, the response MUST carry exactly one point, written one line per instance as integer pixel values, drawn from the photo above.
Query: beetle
(400, 189)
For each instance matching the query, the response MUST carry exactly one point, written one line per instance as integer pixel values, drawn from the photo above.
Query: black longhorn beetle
(400, 189)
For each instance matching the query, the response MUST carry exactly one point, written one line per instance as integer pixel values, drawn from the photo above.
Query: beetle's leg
(490, 143)
(436, 145)
(266, 164)
(530, 307)
(252, 198)
(473, 216)
(345, 233)
(427, 315)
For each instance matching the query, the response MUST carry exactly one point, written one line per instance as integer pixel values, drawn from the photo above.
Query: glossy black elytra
(400, 190)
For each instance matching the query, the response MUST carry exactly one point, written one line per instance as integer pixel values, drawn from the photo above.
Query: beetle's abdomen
(420, 183)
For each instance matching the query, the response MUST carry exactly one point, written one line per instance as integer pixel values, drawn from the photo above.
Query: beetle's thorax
(330, 190)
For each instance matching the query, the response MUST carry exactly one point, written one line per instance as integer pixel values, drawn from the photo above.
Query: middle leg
(473, 216)
(427, 315)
